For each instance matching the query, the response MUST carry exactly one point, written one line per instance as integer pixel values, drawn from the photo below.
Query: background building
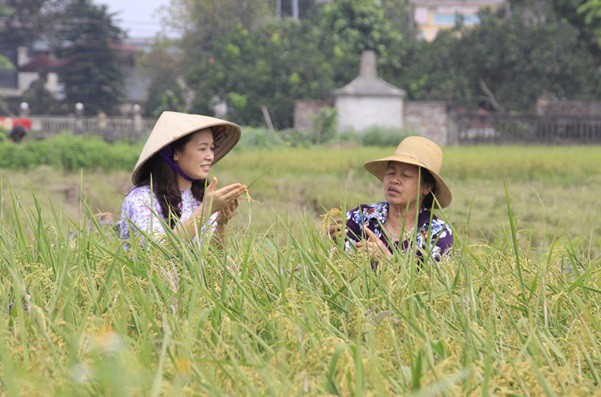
(433, 15)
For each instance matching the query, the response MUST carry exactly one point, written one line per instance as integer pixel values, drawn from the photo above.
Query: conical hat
(172, 126)
(418, 151)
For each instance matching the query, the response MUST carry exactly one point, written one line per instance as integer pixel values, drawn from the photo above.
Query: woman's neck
(401, 216)
(183, 183)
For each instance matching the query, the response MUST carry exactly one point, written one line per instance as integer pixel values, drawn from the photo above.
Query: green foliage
(272, 63)
(93, 75)
(203, 22)
(69, 152)
(20, 21)
(506, 63)
(242, 69)
(591, 10)
(324, 124)
(5, 63)
(349, 27)
(292, 314)
(259, 138)
(382, 137)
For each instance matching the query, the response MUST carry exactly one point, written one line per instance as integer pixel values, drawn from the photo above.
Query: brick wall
(304, 111)
(431, 119)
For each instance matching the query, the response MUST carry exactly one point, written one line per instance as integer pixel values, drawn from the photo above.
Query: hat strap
(166, 153)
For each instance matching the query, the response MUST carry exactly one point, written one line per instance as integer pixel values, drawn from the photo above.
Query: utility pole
(278, 9)
(295, 10)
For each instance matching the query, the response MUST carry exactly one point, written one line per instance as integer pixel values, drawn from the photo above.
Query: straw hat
(172, 126)
(418, 151)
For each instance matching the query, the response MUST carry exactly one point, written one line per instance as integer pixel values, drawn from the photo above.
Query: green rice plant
(284, 310)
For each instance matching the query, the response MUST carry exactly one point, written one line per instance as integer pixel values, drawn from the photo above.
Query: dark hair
(427, 179)
(164, 183)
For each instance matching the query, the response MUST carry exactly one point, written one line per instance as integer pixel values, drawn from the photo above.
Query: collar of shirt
(378, 214)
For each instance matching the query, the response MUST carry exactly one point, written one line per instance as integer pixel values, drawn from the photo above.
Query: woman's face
(197, 155)
(402, 186)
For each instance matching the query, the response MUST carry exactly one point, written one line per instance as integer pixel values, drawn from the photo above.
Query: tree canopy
(506, 63)
(93, 75)
(243, 54)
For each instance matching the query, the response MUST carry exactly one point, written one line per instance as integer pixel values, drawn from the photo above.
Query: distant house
(29, 66)
(431, 16)
(38, 63)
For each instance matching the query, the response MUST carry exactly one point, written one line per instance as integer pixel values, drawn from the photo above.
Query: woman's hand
(227, 213)
(373, 246)
(222, 199)
(336, 230)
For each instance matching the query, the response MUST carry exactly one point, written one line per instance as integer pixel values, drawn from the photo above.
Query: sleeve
(142, 217)
(207, 230)
(442, 241)
(354, 229)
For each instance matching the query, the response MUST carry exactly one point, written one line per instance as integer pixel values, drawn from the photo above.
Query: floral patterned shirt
(141, 208)
(431, 237)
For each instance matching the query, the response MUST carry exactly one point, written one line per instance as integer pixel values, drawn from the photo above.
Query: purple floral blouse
(141, 208)
(433, 236)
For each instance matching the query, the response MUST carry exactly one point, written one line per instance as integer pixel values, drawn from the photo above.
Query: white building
(368, 101)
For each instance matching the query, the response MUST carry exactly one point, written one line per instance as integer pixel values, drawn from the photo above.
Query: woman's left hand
(227, 213)
(374, 246)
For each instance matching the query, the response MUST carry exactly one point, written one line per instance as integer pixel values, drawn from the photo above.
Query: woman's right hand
(336, 230)
(220, 199)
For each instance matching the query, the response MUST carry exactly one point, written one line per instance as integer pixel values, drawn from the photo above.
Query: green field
(514, 312)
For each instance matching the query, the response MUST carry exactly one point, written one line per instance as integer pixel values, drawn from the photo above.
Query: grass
(283, 311)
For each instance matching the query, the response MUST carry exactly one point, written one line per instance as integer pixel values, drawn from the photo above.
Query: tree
(350, 27)
(237, 52)
(271, 66)
(201, 22)
(591, 11)
(166, 91)
(21, 22)
(506, 62)
(93, 75)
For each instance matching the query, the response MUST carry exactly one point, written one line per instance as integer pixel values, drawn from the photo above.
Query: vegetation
(243, 55)
(93, 75)
(80, 32)
(514, 56)
(283, 310)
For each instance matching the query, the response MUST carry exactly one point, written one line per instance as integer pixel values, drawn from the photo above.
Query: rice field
(283, 310)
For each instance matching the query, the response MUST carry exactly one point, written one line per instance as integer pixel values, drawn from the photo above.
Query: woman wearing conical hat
(403, 221)
(170, 178)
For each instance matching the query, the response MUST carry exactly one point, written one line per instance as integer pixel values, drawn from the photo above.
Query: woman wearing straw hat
(169, 181)
(403, 221)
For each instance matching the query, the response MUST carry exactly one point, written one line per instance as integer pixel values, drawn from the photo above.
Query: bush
(382, 137)
(258, 138)
(69, 152)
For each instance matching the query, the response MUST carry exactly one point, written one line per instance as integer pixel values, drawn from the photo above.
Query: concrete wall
(367, 112)
(546, 107)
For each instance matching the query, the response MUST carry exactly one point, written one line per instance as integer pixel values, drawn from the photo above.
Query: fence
(110, 128)
(506, 129)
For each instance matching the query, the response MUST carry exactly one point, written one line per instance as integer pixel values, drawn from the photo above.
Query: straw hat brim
(172, 126)
(441, 191)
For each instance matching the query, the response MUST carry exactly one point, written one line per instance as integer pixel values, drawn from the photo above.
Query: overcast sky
(139, 17)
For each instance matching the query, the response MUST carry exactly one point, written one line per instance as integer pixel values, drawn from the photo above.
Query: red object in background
(8, 123)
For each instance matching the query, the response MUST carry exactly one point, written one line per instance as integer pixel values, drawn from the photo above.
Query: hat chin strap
(166, 153)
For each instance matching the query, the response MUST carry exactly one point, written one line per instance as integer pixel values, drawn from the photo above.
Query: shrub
(69, 152)
(379, 136)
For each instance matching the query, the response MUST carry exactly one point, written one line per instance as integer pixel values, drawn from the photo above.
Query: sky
(139, 17)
